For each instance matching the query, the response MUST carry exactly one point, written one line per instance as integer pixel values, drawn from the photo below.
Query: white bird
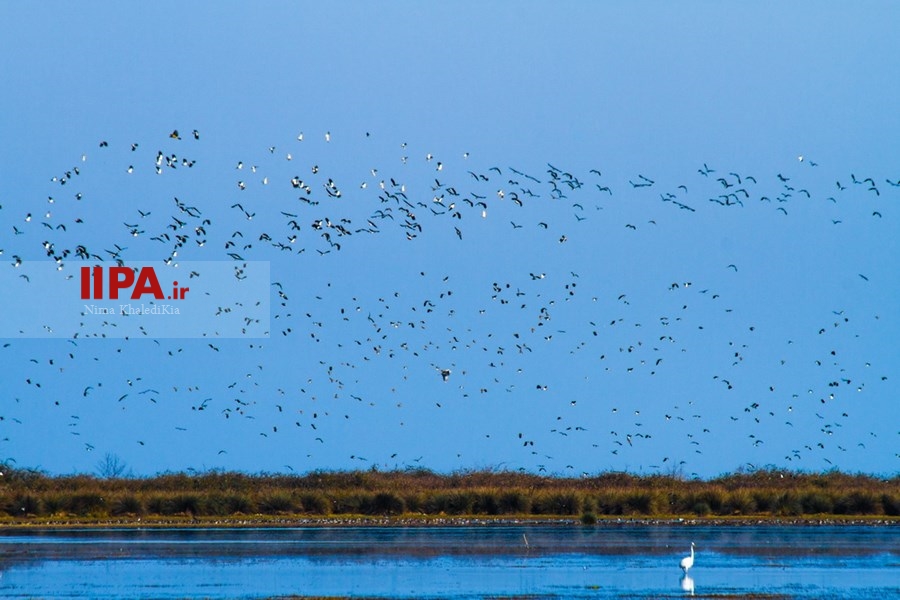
(688, 561)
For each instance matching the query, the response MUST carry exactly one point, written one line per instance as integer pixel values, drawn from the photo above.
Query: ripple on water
(458, 562)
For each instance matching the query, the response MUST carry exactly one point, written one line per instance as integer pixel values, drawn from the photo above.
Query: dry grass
(26, 494)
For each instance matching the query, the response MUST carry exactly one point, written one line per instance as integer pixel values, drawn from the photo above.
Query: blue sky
(570, 349)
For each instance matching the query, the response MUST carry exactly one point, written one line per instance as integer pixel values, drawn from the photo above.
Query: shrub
(127, 505)
(679, 503)
(701, 509)
(239, 503)
(315, 504)
(349, 504)
(277, 503)
(714, 498)
(487, 503)
(24, 492)
(765, 500)
(514, 503)
(83, 504)
(858, 503)
(453, 503)
(563, 503)
(609, 504)
(414, 502)
(23, 505)
(817, 503)
(461, 503)
(789, 504)
(53, 504)
(221, 505)
(639, 503)
(156, 505)
(891, 504)
(181, 504)
(739, 502)
(588, 504)
(387, 503)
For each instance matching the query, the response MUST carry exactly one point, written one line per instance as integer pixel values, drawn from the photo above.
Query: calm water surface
(455, 562)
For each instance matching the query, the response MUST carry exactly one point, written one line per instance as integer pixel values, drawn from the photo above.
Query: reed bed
(26, 494)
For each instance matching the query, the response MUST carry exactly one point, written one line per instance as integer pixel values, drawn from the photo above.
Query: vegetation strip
(424, 497)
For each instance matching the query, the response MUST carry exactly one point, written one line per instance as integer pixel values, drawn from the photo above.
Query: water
(454, 562)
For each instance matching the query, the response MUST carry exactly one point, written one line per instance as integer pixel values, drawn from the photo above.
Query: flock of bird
(432, 310)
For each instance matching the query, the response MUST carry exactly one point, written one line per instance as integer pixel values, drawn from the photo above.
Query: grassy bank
(28, 495)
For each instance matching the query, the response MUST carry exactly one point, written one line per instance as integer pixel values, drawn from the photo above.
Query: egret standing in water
(688, 561)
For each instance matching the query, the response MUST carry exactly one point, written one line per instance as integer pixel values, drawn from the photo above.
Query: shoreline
(289, 522)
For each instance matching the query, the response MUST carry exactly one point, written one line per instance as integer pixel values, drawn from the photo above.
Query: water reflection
(687, 583)
(457, 562)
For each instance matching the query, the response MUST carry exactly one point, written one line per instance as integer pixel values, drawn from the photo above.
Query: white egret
(688, 561)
